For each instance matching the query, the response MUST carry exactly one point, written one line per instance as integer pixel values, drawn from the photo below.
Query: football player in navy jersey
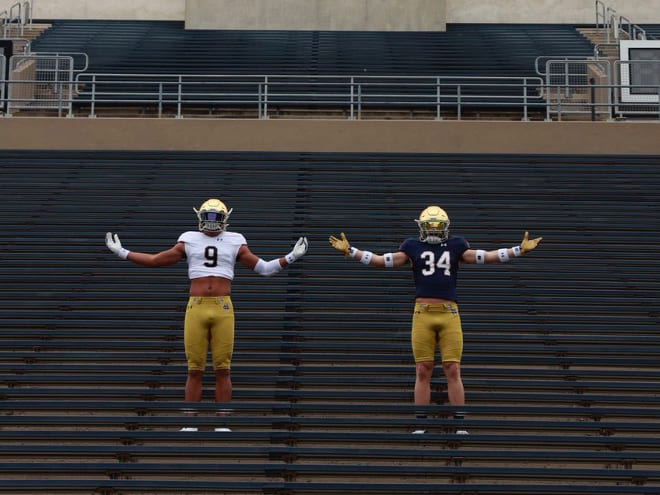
(434, 258)
(211, 254)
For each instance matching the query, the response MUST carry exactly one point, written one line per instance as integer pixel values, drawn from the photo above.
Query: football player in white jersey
(211, 254)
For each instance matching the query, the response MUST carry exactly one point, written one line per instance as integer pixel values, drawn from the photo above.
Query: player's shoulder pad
(234, 237)
(188, 236)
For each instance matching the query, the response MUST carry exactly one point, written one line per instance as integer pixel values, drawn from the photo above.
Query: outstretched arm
(268, 268)
(387, 260)
(164, 258)
(501, 255)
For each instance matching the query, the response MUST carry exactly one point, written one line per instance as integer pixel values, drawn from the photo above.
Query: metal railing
(617, 26)
(3, 76)
(351, 94)
(613, 108)
(632, 31)
(18, 16)
(80, 59)
(565, 86)
(577, 86)
(40, 82)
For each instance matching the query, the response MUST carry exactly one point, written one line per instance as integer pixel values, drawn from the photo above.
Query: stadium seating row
(560, 361)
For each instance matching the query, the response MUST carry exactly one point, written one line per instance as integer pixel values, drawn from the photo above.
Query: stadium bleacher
(561, 347)
(123, 50)
(167, 47)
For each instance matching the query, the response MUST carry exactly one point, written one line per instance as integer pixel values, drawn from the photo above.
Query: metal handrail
(611, 21)
(568, 85)
(634, 31)
(4, 15)
(20, 13)
(613, 24)
(614, 105)
(353, 95)
(600, 14)
(545, 58)
(265, 90)
(60, 86)
(73, 55)
(11, 10)
(18, 18)
(27, 12)
(599, 46)
(3, 69)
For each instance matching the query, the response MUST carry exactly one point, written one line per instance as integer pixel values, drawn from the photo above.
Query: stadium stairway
(561, 346)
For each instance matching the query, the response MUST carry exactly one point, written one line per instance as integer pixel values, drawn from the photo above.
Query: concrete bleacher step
(561, 351)
(311, 445)
(160, 46)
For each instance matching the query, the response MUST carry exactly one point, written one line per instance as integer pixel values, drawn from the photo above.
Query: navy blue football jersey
(435, 266)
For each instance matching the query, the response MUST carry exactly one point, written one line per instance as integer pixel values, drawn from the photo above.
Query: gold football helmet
(433, 225)
(213, 216)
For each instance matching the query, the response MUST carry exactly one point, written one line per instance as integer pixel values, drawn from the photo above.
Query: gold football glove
(528, 245)
(341, 244)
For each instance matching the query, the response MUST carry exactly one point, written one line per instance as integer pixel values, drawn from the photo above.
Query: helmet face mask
(433, 225)
(212, 216)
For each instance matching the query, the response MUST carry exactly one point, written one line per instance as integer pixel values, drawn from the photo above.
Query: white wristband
(517, 251)
(353, 252)
(503, 255)
(481, 256)
(123, 253)
(290, 258)
(389, 260)
(366, 257)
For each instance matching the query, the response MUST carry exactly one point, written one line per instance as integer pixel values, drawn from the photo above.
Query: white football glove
(298, 250)
(114, 245)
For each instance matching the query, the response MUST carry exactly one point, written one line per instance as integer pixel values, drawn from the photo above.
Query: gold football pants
(209, 323)
(437, 326)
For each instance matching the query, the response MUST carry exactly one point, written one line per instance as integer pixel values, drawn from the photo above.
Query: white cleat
(222, 429)
(462, 432)
(419, 432)
(189, 429)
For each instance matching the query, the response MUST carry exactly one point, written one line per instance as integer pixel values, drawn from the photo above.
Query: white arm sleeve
(268, 268)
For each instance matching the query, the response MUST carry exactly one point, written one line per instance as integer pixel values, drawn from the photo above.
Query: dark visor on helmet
(213, 216)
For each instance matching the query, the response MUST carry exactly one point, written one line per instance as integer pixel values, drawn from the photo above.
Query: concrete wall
(548, 11)
(331, 136)
(319, 15)
(113, 9)
(498, 11)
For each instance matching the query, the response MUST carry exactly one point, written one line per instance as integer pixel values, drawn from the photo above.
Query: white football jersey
(211, 256)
